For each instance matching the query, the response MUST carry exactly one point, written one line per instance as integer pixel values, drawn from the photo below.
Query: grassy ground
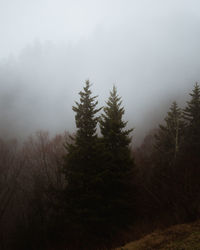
(179, 237)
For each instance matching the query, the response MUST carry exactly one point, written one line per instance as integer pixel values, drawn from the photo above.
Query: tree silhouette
(120, 165)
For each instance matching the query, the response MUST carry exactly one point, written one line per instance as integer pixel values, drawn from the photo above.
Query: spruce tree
(112, 125)
(168, 142)
(120, 165)
(192, 118)
(82, 163)
(170, 135)
(189, 166)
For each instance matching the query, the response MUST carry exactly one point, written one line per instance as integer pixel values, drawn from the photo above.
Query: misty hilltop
(147, 50)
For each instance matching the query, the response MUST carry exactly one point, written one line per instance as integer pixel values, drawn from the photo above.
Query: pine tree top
(86, 119)
(170, 133)
(192, 111)
(111, 124)
(173, 116)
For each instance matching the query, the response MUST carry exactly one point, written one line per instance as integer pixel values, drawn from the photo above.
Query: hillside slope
(179, 237)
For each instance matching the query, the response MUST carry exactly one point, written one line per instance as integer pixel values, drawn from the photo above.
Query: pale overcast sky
(23, 21)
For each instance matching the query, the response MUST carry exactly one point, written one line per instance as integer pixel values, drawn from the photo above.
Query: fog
(148, 49)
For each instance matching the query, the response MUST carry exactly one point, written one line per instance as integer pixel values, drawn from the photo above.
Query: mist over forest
(151, 58)
(99, 123)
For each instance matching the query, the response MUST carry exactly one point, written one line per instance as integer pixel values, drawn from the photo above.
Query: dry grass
(179, 237)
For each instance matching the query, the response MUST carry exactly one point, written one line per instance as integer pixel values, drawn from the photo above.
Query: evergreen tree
(189, 171)
(98, 171)
(113, 127)
(169, 136)
(82, 163)
(168, 142)
(86, 121)
(192, 117)
(120, 165)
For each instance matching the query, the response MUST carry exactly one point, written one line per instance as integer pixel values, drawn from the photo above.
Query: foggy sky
(148, 48)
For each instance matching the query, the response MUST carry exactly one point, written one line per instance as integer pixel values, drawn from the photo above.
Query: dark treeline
(91, 190)
(168, 164)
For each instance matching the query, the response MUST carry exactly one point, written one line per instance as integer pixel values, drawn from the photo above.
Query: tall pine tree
(112, 125)
(192, 118)
(99, 192)
(168, 141)
(120, 165)
(82, 163)
(189, 166)
(170, 135)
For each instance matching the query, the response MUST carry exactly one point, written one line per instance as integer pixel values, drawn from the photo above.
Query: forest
(90, 189)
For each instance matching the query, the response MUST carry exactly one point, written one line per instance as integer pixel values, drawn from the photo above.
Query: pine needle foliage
(99, 171)
(112, 125)
(120, 165)
(86, 121)
(192, 118)
(83, 163)
(170, 134)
